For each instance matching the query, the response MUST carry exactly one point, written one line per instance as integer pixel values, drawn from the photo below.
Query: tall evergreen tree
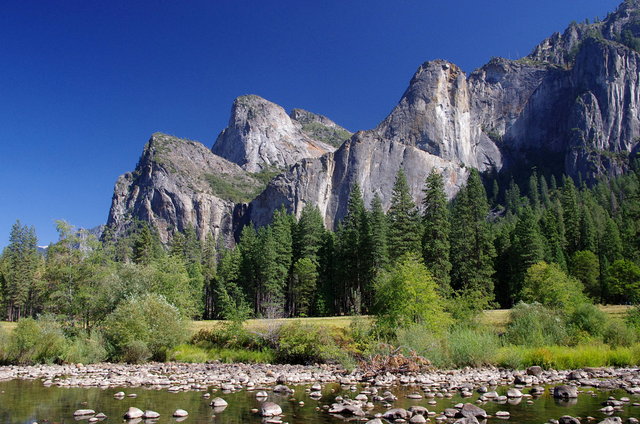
(19, 267)
(528, 247)
(435, 239)
(351, 258)
(472, 249)
(571, 212)
(375, 249)
(404, 220)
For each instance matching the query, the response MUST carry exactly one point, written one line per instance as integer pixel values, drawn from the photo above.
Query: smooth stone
(514, 393)
(82, 412)
(568, 419)
(180, 413)
(133, 413)
(150, 414)
(418, 419)
(270, 409)
(565, 392)
(218, 402)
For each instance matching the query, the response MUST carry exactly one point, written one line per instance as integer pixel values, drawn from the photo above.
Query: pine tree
(20, 266)
(375, 250)
(534, 194)
(528, 247)
(435, 239)
(146, 245)
(571, 213)
(351, 258)
(404, 220)
(544, 192)
(472, 249)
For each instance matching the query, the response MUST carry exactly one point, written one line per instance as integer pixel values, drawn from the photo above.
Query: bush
(421, 341)
(549, 285)
(305, 344)
(407, 294)
(37, 341)
(231, 335)
(136, 352)
(587, 319)
(143, 322)
(472, 347)
(535, 325)
(617, 333)
(86, 349)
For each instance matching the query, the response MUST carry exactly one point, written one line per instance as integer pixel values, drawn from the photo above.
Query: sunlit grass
(199, 354)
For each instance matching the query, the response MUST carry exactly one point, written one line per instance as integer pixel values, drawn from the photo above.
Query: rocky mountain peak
(319, 127)
(261, 135)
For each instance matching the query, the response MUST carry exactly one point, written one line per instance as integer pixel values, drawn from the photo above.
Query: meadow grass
(563, 357)
(200, 354)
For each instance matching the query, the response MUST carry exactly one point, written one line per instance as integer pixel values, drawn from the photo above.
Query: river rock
(180, 413)
(133, 413)
(150, 414)
(281, 388)
(514, 393)
(83, 412)
(218, 402)
(568, 419)
(565, 392)
(396, 413)
(611, 420)
(467, 420)
(535, 371)
(537, 390)
(375, 421)
(418, 410)
(418, 419)
(470, 410)
(270, 409)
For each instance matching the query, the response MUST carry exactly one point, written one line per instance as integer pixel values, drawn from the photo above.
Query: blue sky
(85, 83)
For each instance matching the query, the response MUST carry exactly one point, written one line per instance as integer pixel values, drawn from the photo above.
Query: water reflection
(25, 402)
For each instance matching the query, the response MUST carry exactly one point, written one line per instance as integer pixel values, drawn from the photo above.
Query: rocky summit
(571, 106)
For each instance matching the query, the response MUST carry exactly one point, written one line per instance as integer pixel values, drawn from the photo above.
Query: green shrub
(535, 325)
(232, 335)
(633, 317)
(37, 341)
(360, 332)
(420, 340)
(148, 321)
(136, 352)
(86, 349)
(618, 333)
(472, 347)
(587, 319)
(305, 344)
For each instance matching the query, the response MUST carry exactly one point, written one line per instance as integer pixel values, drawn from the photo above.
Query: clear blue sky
(85, 83)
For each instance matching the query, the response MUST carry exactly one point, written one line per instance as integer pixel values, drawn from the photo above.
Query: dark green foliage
(472, 249)
(351, 238)
(623, 282)
(404, 235)
(587, 319)
(435, 239)
(586, 268)
(19, 268)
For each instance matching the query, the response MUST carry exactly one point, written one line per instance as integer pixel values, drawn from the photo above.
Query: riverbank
(232, 377)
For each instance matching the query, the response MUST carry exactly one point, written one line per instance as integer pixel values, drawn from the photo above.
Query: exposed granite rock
(261, 136)
(320, 127)
(171, 188)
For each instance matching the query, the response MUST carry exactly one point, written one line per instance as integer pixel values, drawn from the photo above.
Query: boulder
(83, 412)
(535, 371)
(270, 409)
(514, 393)
(178, 413)
(396, 413)
(133, 413)
(565, 392)
(150, 414)
(567, 419)
(218, 402)
(470, 410)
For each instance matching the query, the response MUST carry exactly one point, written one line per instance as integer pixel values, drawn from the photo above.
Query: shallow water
(26, 402)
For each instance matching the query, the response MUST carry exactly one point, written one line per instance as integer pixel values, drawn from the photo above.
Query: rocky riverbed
(231, 377)
(327, 394)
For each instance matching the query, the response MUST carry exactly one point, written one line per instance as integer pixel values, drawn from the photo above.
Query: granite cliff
(572, 106)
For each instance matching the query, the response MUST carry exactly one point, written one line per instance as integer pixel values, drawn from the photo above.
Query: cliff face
(179, 183)
(572, 106)
(262, 136)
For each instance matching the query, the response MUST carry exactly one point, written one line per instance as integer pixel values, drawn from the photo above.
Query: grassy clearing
(563, 357)
(262, 324)
(199, 354)
(499, 318)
